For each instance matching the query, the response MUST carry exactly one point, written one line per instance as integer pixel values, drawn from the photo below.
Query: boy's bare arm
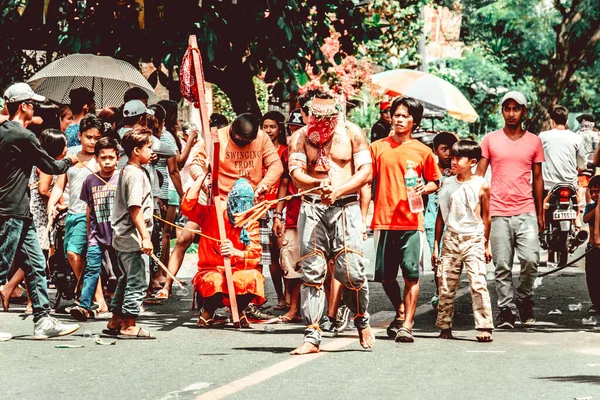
(137, 216)
(56, 194)
(439, 228)
(587, 217)
(484, 204)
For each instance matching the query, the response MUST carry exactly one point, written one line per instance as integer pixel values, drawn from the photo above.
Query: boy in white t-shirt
(464, 208)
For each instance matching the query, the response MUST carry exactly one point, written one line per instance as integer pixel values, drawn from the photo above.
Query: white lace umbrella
(107, 77)
(427, 88)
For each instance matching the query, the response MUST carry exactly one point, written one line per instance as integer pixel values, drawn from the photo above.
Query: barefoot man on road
(336, 154)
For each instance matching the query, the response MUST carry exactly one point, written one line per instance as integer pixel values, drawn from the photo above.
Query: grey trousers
(518, 234)
(134, 279)
(331, 232)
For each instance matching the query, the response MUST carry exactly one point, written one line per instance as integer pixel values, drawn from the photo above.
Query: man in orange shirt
(245, 151)
(399, 236)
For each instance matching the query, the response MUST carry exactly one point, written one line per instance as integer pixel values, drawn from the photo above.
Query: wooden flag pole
(211, 140)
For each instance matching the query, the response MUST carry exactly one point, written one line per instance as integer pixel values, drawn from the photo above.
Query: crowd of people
(132, 179)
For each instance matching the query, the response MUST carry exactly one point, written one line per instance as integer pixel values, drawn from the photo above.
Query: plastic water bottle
(415, 201)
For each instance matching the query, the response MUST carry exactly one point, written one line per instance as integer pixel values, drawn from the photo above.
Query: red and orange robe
(210, 278)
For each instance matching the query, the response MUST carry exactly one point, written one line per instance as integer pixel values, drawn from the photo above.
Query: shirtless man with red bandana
(333, 153)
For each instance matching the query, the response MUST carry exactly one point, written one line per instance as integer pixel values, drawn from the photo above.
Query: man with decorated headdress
(242, 246)
(333, 154)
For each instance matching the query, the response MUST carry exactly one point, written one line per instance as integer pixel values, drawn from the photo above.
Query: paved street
(558, 359)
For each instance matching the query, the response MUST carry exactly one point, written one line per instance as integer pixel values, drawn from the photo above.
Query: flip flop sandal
(404, 335)
(111, 332)
(244, 324)
(485, 339)
(204, 323)
(446, 334)
(394, 327)
(141, 334)
(79, 313)
(282, 320)
(152, 301)
(282, 307)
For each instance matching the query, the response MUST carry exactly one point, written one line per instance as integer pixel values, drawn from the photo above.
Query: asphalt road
(557, 359)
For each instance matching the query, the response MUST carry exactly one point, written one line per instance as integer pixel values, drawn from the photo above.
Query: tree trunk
(570, 52)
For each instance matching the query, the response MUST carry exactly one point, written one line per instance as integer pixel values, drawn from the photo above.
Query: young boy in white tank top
(465, 211)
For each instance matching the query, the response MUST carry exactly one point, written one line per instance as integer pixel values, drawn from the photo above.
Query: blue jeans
(19, 246)
(134, 277)
(91, 274)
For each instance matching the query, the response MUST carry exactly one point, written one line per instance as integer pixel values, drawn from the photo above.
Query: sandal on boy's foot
(446, 334)
(81, 314)
(204, 322)
(141, 334)
(111, 332)
(405, 335)
(394, 327)
(484, 336)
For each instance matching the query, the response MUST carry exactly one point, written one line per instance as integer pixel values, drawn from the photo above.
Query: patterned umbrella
(107, 77)
(427, 88)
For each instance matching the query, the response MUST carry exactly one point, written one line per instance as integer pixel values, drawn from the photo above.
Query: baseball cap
(133, 108)
(21, 92)
(516, 96)
(295, 118)
(384, 106)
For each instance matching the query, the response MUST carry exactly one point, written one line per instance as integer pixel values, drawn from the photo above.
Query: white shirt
(564, 153)
(459, 204)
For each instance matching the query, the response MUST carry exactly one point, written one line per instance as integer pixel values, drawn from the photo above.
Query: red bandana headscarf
(322, 121)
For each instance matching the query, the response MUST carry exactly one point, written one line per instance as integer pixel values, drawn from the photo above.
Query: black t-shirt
(20, 150)
(380, 130)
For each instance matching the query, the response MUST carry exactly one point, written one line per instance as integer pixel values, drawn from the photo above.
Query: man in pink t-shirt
(514, 155)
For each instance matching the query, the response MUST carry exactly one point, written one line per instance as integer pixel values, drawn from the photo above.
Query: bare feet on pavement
(306, 348)
(367, 338)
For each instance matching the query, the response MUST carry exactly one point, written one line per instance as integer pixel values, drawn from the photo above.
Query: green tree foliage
(547, 42)
(276, 39)
(483, 78)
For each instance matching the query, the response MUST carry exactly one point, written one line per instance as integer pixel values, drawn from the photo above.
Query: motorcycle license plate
(562, 215)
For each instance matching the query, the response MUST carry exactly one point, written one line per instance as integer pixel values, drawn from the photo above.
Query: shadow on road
(590, 379)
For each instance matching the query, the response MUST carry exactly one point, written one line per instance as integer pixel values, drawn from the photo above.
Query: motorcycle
(561, 236)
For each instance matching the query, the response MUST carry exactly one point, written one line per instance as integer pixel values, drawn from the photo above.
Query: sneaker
(5, 336)
(506, 319)
(328, 326)
(434, 302)
(48, 327)
(525, 307)
(394, 327)
(342, 318)
(255, 314)
(592, 310)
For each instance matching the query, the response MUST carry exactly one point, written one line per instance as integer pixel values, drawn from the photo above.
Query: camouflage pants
(470, 251)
